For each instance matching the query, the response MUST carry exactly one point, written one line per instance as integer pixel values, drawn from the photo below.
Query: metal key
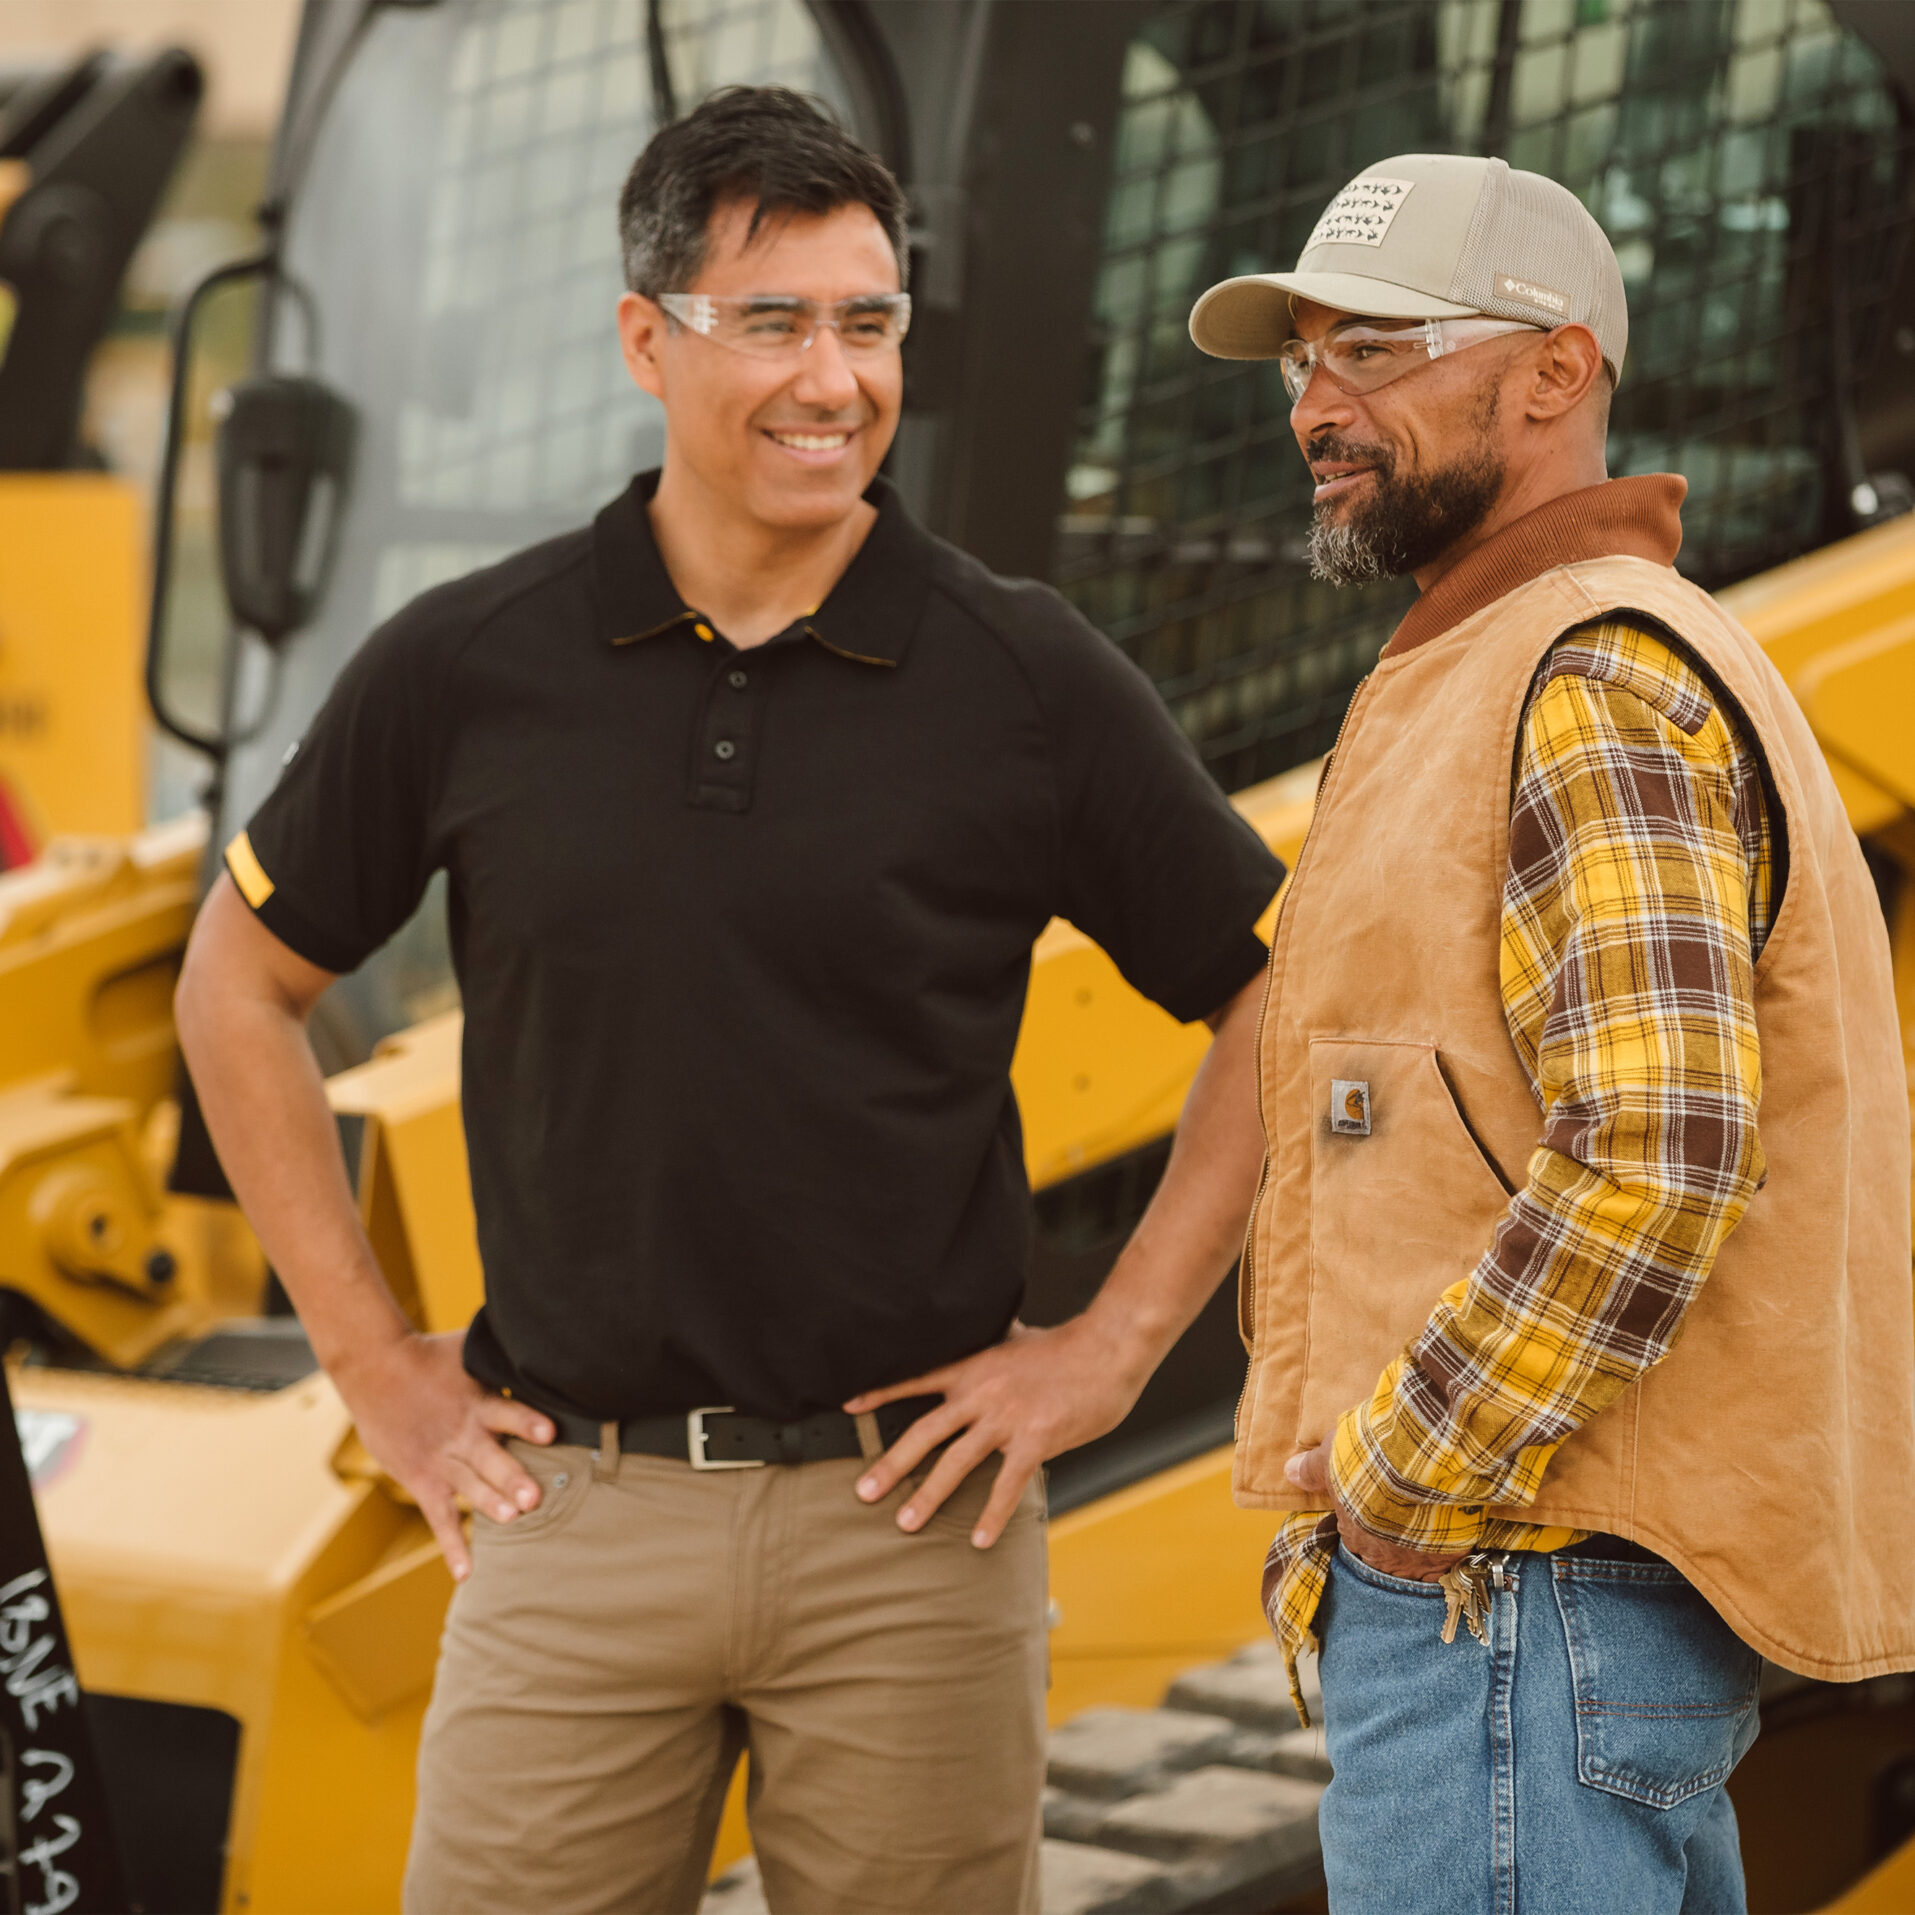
(1466, 1597)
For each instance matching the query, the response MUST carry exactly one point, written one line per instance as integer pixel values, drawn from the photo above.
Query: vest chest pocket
(1402, 1203)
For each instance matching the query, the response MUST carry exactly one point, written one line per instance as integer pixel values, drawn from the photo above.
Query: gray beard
(1346, 554)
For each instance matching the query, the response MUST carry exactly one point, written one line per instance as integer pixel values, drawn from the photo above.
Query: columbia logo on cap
(1531, 294)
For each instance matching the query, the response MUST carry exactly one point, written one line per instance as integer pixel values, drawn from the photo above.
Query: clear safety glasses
(779, 326)
(1361, 358)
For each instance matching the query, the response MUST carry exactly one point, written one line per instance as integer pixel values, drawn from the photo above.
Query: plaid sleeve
(1636, 900)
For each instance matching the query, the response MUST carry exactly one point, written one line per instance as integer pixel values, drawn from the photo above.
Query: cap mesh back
(1528, 226)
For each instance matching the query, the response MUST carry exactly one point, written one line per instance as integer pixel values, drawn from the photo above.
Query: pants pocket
(563, 1474)
(1665, 1691)
(960, 1510)
(1354, 1565)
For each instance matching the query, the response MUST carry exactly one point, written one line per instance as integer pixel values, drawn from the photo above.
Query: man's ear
(1566, 366)
(641, 330)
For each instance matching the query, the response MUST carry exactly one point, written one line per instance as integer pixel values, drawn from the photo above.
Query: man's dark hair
(779, 149)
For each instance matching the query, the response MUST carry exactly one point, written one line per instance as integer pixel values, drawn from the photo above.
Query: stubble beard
(1402, 525)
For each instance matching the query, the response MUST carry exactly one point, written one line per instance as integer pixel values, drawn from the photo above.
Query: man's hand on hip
(1309, 1470)
(1036, 1394)
(437, 1433)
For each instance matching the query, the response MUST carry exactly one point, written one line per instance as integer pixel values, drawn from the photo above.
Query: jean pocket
(1354, 1564)
(1665, 1691)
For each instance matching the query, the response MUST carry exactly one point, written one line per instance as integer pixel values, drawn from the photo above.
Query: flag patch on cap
(1360, 215)
(1528, 293)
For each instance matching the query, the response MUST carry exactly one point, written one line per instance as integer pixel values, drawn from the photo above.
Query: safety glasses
(1360, 358)
(782, 326)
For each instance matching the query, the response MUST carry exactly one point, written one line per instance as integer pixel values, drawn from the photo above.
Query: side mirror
(284, 453)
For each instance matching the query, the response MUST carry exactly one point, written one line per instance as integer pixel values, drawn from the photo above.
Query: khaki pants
(613, 1652)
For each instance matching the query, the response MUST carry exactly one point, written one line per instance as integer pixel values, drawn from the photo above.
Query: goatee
(1401, 525)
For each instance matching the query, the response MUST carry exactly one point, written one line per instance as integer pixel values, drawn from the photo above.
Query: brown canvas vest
(1771, 1455)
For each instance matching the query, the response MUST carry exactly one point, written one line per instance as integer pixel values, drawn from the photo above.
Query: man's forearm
(265, 1105)
(241, 1010)
(280, 1148)
(1189, 1237)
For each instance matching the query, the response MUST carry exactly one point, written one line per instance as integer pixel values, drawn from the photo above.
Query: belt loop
(605, 1457)
(869, 1441)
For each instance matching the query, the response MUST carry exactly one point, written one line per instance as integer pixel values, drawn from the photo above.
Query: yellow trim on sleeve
(248, 873)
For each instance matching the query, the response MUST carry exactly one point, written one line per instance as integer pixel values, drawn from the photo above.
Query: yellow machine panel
(1840, 626)
(73, 724)
(210, 1554)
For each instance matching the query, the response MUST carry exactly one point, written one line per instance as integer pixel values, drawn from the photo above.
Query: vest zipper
(1246, 1258)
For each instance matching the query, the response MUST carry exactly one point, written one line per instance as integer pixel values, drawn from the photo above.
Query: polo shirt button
(724, 749)
(736, 680)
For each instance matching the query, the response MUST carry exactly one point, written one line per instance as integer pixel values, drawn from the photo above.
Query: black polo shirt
(743, 938)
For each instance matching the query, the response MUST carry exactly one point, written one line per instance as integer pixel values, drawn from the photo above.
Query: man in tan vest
(1549, 1338)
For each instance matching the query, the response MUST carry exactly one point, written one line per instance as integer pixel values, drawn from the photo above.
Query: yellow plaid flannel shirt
(1638, 896)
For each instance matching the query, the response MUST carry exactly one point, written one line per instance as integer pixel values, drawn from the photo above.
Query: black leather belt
(722, 1439)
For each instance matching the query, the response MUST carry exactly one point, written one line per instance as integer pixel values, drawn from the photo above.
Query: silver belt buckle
(695, 1434)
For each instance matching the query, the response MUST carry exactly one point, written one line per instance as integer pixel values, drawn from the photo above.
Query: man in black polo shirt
(753, 798)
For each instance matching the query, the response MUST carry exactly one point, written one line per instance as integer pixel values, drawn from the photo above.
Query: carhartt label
(1349, 1107)
(1526, 292)
(1360, 215)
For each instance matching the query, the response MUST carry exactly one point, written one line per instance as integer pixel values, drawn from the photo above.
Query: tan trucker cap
(1434, 236)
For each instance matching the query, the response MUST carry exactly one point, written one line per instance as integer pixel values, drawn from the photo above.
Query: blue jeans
(1572, 1766)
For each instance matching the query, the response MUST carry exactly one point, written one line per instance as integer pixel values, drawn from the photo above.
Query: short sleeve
(336, 858)
(1157, 864)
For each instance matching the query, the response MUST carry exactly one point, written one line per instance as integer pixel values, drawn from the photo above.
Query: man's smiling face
(1404, 472)
(793, 442)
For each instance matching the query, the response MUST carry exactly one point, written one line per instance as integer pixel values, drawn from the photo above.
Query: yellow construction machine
(253, 1606)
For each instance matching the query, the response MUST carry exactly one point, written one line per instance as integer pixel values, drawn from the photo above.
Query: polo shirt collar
(868, 617)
